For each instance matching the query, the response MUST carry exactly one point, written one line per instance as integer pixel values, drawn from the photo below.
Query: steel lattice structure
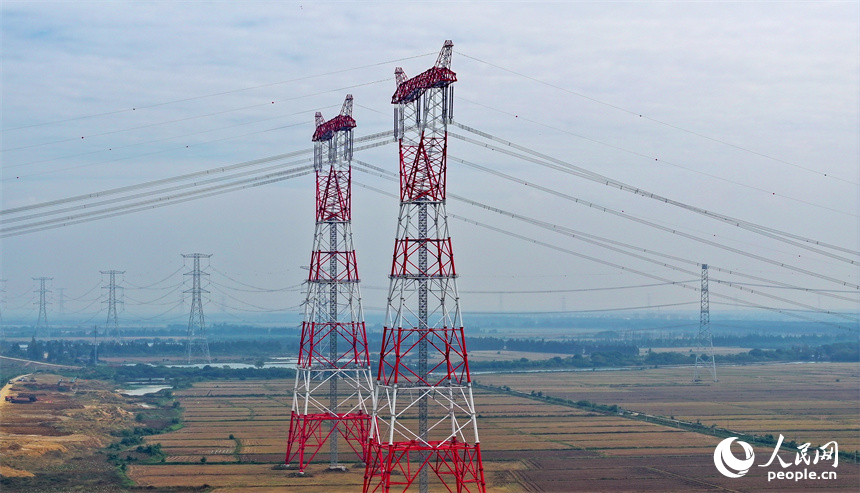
(112, 324)
(704, 341)
(331, 398)
(424, 416)
(196, 345)
(42, 321)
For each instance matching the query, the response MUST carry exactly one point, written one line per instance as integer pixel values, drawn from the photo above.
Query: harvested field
(504, 355)
(719, 350)
(528, 444)
(804, 402)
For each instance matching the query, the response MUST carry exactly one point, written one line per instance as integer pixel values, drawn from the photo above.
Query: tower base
(396, 466)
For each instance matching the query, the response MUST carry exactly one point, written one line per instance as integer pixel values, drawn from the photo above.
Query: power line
(156, 202)
(176, 288)
(595, 310)
(177, 305)
(660, 122)
(134, 286)
(162, 151)
(188, 176)
(111, 132)
(255, 288)
(79, 298)
(198, 183)
(609, 244)
(655, 225)
(559, 165)
(606, 242)
(178, 198)
(116, 148)
(600, 242)
(582, 290)
(96, 300)
(663, 161)
(222, 93)
(571, 252)
(386, 174)
(154, 183)
(642, 273)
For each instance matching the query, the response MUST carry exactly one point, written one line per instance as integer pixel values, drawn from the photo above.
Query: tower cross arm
(344, 121)
(412, 89)
(440, 75)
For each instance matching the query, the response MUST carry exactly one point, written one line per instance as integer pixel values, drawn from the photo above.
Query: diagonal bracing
(333, 384)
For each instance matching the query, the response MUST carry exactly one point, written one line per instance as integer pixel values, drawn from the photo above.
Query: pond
(143, 390)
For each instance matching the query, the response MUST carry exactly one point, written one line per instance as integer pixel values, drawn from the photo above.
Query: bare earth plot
(51, 444)
(529, 444)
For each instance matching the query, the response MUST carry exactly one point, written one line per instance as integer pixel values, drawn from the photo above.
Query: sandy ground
(60, 425)
(6, 470)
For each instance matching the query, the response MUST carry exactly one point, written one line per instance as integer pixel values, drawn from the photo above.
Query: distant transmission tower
(61, 303)
(424, 415)
(196, 346)
(112, 324)
(333, 380)
(704, 342)
(42, 321)
(95, 359)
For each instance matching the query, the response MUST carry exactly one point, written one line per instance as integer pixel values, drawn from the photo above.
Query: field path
(7, 389)
(688, 479)
(526, 482)
(38, 364)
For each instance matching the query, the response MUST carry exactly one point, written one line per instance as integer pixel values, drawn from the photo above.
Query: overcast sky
(749, 109)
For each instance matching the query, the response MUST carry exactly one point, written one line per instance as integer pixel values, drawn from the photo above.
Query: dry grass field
(534, 445)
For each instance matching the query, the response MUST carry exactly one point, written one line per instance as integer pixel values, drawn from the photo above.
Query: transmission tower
(112, 324)
(704, 342)
(61, 303)
(424, 416)
(95, 359)
(196, 346)
(333, 380)
(42, 321)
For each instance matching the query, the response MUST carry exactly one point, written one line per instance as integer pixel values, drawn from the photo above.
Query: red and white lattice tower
(424, 415)
(334, 384)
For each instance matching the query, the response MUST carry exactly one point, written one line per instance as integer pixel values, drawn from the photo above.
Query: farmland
(234, 432)
(808, 402)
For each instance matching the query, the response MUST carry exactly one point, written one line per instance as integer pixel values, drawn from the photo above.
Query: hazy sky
(742, 108)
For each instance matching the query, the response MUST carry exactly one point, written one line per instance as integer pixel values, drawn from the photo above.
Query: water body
(282, 362)
(143, 390)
